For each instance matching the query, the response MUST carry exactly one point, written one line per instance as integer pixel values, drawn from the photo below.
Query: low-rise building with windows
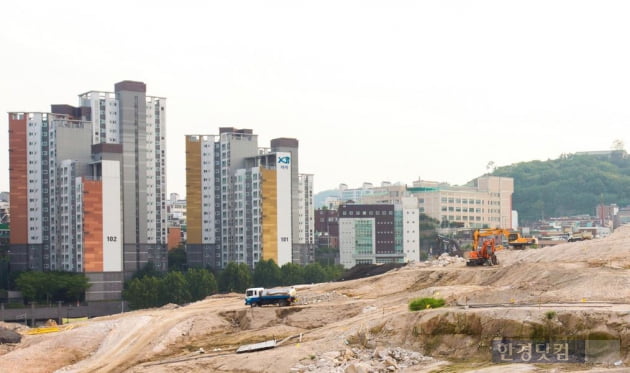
(379, 233)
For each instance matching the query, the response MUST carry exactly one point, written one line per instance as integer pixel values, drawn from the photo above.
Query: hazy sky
(373, 90)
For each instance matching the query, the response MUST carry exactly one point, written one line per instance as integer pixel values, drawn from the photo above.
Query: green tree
(52, 286)
(333, 272)
(235, 278)
(201, 283)
(72, 286)
(142, 292)
(177, 259)
(267, 274)
(314, 273)
(292, 274)
(174, 289)
(428, 234)
(31, 285)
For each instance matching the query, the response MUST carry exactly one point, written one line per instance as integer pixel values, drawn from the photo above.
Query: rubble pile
(443, 261)
(318, 298)
(358, 360)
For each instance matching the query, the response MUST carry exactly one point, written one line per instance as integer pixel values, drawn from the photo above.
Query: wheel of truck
(254, 304)
(494, 260)
(283, 303)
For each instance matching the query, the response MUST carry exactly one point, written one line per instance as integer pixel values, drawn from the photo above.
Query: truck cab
(253, 293)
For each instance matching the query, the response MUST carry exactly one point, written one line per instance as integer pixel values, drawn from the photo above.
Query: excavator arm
(448, 245)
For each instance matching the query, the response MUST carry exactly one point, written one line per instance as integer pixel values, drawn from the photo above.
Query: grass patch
(420, 304)
(377, 329)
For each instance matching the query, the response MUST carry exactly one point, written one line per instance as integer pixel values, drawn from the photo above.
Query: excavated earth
(575, 290)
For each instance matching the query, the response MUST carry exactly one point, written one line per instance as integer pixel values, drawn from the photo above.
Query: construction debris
(318, 298)
(357, 360)
(257, 346)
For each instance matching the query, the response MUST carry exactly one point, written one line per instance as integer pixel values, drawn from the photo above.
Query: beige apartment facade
(486, 203)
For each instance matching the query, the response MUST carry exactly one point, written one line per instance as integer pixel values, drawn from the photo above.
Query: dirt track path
(127, 345)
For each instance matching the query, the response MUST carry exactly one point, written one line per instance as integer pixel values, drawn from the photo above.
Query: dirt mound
(9, 336)
(612, 251)
(367, 270)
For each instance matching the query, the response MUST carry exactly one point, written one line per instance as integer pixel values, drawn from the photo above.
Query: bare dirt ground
(579, 290)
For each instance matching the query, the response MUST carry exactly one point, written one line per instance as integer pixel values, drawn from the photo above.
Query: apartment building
(88, 187)
(245, 203)
(304, 242)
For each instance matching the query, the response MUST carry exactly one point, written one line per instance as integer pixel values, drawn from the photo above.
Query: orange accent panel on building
(18, 178)
(269, 191)
(193, 190)
(92, 226)
(174, 237)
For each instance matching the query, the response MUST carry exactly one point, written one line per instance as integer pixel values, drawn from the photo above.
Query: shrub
(420, 304)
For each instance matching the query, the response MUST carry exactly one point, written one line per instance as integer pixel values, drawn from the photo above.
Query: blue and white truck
(256, 297)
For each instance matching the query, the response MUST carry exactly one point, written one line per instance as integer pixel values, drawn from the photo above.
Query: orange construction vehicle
(486, 242)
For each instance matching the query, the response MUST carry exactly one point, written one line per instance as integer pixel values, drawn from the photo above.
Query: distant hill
(570, 185)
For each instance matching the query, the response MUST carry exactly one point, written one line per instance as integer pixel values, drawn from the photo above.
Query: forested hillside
(572, 184)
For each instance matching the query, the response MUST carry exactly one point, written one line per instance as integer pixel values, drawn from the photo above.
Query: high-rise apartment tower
(245, 203)
(88, 187)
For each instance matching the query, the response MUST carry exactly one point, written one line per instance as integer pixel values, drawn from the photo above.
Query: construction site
(575, 293)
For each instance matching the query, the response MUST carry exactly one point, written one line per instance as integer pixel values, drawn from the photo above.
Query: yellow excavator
(517, 241)
(487, 241)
